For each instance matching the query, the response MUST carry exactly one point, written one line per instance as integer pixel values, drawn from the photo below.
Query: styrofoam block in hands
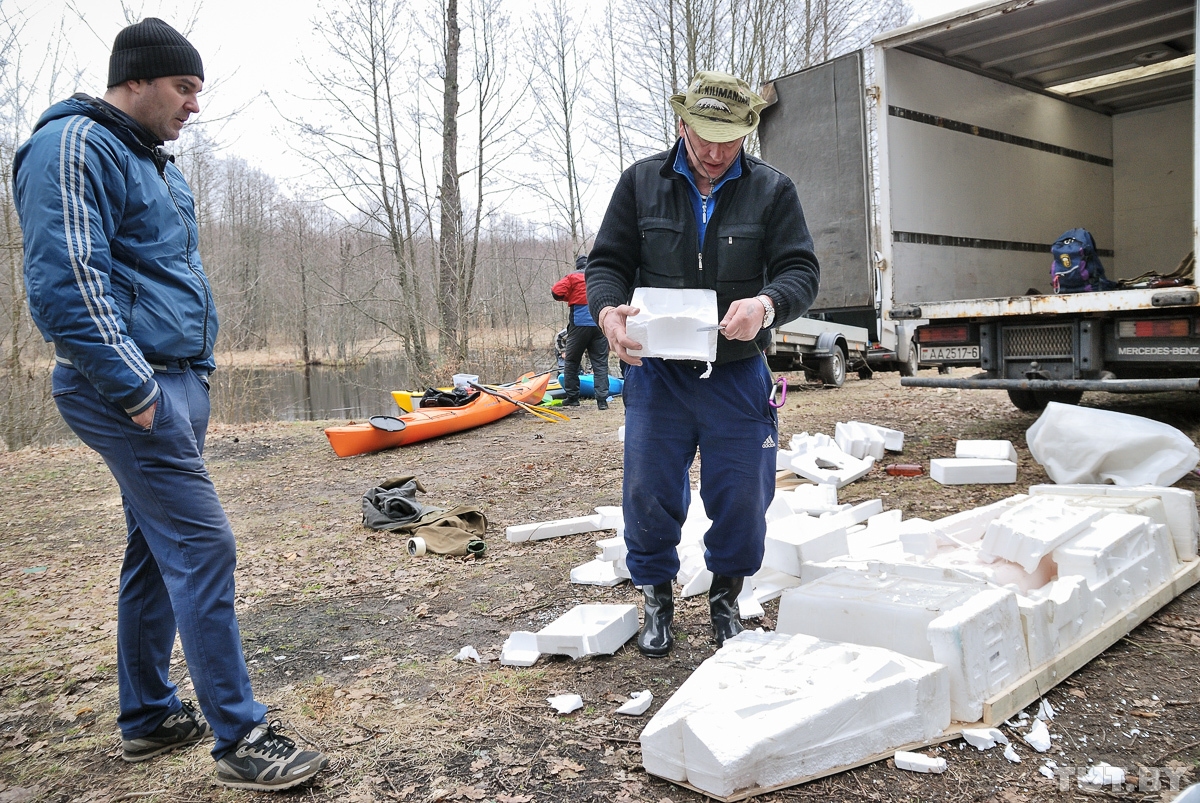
(831, 466)
(768, 708)
(972, 471)
(668, 323)
(988, 450)
(589, 630)
(1179, 505)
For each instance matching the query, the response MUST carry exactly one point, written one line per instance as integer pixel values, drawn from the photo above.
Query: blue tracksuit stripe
(77, 235)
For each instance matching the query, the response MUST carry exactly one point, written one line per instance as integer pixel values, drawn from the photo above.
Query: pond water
(314, 393)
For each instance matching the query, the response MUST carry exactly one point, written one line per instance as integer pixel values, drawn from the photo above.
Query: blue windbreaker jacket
(112, 264)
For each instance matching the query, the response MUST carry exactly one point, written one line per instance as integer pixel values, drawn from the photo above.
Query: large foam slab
(973, 629)
(769, 708)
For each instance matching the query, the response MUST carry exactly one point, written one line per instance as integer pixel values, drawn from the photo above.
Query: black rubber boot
(723, 606)
(655, 639)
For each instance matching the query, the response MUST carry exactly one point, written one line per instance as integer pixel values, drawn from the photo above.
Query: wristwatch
(768, 310)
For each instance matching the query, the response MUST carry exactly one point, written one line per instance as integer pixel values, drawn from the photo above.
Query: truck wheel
(1026, 400)
(1035, 400)
(833, 369)
(913, 364)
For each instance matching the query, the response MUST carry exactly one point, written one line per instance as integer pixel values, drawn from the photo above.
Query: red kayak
(423, 424)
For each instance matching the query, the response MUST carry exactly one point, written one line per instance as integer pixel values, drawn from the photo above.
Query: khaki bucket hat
(718, 106)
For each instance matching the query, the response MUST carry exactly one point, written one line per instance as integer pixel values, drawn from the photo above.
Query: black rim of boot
(723, 607)
(655, 639)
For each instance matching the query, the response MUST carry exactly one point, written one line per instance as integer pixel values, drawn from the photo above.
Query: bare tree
(26, 358)
(450, 234)
(561, 67)
(362, 153)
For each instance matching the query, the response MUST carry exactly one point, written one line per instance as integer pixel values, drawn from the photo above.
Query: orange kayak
(423, 424)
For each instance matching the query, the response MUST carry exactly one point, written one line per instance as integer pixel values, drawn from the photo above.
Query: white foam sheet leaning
(1084, 445)
(768, 709)
(667, 322)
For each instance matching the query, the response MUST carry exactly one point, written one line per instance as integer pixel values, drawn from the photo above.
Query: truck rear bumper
(1107, 385)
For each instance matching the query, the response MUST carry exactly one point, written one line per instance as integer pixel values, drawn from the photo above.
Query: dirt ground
(351, 641)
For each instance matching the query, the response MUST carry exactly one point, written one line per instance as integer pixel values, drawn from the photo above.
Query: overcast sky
(249, 49)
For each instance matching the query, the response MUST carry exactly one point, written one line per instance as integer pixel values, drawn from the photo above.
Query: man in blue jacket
(113, 275)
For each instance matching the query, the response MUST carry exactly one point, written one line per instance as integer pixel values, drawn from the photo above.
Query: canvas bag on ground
(1083, 445)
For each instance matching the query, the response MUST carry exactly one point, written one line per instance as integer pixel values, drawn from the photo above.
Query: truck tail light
(944, 334)
(1176, 327)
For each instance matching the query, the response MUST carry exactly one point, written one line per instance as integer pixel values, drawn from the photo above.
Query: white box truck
(998, 128)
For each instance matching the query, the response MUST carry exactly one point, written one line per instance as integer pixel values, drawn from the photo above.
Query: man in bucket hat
(113, 275)
(704, 214)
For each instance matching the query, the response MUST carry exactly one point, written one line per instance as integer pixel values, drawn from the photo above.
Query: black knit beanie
(152, 49)
(581, 262)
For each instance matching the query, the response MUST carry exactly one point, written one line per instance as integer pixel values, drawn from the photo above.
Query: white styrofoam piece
(893, 439)
(1011, 754)
(598, 572)
(919, 762)
(610, 517)
(984, 738)
(831, 466)
(468, 653)
(791, 541)
(621, 433)
(638, 703)
(611, 549)
(699, 584)
(589, 630)
(1045, 710)
(981, 643)
(975, 631)
(1122, 557)
(1028, 532)
(859, 440)
(814, 500)
(565, 703)
(1038, 736)
(520, 649)
(971, 471)
(540, 530)
(621, 567)
(803, 442)
(969, 525)
(769, 584)
(668, 321)
(769, 708)
(748, 605)
(1101, 775)
(783, 459)
(988, 450)
(1179, 505)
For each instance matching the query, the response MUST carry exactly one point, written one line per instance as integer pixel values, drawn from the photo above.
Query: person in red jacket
(582, 335)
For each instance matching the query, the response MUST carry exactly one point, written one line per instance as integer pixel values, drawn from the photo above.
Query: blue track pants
(669, 413)
(179, 557)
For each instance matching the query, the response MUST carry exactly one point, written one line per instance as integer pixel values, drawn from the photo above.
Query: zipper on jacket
(188, 259)
(704, 221)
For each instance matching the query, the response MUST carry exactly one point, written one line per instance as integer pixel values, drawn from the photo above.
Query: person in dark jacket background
(582, 335)
(113, 278)
(706, 215)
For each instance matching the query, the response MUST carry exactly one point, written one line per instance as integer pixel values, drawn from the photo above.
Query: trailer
(997, 129)
(817, 347)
